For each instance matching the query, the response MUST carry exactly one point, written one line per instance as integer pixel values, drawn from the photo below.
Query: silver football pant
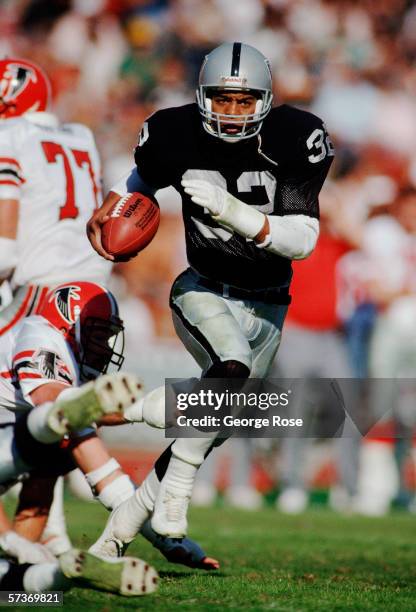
(216, 328)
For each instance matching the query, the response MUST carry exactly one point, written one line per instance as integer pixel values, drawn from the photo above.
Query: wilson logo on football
(65, 298)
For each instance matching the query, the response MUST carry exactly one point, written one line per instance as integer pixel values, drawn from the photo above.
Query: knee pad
(228, 369)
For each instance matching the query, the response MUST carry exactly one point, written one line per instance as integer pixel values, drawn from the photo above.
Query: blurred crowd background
(114, 62)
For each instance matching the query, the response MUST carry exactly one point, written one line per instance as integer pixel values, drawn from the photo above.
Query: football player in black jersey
(249, 176)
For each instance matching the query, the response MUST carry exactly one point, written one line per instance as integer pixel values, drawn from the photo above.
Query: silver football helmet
(234, 67)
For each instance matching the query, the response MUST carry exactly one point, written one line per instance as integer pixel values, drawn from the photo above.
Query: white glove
(207, 195)
(150, 409)
(24, 550)
(225, 208)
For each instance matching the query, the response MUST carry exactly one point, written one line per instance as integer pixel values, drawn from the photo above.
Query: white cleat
(169, 516)
(129, 576)
(108, 394)
(109, 545)
(123, 524)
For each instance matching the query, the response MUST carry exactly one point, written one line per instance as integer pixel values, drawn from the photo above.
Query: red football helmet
(24, 87)
(87, 315)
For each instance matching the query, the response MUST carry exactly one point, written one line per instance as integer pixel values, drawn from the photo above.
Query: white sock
(56, 524)
(136, 510)
(45, 577)
(38, 427)
(180, 476)
(118, 491)
(55, 536)
(192, 450)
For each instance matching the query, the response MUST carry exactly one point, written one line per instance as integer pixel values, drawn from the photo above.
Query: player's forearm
(292, 236)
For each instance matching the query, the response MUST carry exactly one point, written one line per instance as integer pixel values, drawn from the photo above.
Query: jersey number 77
(53, 151)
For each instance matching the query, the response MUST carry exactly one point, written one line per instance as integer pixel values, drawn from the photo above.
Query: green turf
(317, 561)
(271, 561)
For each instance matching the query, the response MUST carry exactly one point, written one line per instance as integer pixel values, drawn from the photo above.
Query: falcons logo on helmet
(15, 80)
(64, 301)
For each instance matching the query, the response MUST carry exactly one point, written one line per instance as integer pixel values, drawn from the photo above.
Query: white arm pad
(131, 183)
(292, 236)
(238, 216)
(8, 256)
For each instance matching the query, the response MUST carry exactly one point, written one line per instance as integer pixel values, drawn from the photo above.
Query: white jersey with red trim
(54, 172)
(32, 354)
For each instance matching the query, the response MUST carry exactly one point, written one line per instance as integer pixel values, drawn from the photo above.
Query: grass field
(318, 561)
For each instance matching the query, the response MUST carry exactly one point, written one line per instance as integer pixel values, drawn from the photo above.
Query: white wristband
(105, 470)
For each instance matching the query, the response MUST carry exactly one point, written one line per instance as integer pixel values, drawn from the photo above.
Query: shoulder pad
(78, 129)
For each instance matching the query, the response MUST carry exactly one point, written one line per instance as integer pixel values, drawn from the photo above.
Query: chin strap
(260, 152)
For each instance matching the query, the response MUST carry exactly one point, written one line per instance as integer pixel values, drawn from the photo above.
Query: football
(133, 223)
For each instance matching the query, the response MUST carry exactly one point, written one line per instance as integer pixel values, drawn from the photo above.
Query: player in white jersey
(50, 179)
(44, 357)
(49, 184)
(76, 337)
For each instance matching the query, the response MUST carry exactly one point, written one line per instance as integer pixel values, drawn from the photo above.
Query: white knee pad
(216, 321)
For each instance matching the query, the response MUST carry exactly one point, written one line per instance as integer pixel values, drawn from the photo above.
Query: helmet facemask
(250, 123)
(100, 345)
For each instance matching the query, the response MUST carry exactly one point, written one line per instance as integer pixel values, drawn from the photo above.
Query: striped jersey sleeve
(11, 173)
(39, 359)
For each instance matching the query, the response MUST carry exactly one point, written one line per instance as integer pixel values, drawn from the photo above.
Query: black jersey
(279, 172)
